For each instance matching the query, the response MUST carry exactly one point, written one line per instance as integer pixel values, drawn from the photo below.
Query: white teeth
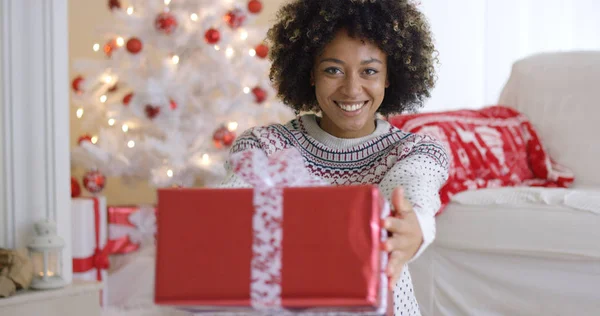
(351, 107)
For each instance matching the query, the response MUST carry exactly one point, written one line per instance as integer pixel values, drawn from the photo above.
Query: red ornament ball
(76, 84)
(260, 95)
(84, 138)
(212, 36)
(254, 6)
(172, 104)
(223, 137)
(235, 18)
(75, 188)
(110, 46)
(114, 4)
(165, 23)
(151, 111)
(262, 50)
(134, 45)
(94, 181)
(127, 98)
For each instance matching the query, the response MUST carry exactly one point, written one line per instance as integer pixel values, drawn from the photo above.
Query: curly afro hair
(305, 27)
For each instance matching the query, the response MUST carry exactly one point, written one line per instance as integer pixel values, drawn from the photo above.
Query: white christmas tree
(177, 81)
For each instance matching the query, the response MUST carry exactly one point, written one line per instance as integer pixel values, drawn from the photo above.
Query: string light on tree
(243, 35)
(103, 98)
(94, 139)
(229, 52)
(125, 128)
(130, 144)
(175, 59)
(194, 17)
(111, 121)
(96, 47)
(130, 10)
(79, 113)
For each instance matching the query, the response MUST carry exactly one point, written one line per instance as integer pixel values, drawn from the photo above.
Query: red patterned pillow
(491, 147)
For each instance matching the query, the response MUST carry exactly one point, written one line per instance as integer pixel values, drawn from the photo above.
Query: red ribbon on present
(99, 260)
(121, 223)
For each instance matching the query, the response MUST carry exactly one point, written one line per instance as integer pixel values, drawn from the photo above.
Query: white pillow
(560, 94)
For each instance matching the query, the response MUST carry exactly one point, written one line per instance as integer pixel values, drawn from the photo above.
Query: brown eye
(371, 71)
(333, 71)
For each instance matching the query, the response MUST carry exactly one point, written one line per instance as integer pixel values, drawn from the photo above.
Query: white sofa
(528, 251)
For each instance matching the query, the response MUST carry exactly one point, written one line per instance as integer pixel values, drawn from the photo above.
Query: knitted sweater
(388, 157)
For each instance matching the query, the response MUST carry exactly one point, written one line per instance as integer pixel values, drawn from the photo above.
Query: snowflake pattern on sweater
(388, 158)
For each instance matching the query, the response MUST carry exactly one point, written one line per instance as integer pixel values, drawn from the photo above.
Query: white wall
(479, 40)
(35, 126)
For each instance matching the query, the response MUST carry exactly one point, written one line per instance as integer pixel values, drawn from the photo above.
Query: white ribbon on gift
(268, 176)
(144, 221)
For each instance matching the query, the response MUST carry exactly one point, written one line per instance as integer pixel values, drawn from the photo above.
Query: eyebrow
(364, 62)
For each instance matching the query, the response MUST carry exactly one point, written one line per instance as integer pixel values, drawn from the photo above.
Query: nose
(352, 86)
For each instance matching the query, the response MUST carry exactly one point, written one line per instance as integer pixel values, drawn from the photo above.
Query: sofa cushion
(492, 147)
(531, 221)
(559, 93)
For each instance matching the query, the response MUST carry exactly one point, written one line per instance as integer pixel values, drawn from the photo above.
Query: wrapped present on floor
(130, 227)
(89, 239)
(288, 245)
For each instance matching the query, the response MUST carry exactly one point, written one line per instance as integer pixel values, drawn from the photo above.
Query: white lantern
(46, 254)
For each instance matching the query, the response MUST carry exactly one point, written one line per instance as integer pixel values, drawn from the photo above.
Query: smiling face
(350, 77)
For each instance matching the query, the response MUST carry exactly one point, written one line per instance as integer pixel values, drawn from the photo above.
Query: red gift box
(330, 258)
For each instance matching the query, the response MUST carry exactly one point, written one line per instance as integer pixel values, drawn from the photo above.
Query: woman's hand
(406, 235)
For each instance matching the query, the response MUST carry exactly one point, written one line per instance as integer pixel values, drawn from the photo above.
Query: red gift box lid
(330, 257)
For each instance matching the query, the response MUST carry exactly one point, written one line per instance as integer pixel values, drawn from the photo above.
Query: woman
(348, 61)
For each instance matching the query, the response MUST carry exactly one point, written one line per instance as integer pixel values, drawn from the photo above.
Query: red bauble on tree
(165, 23)
(254, 6)
(127, 98)
(94, 181)
(76, 84)
(262, 50)
(84, 138)
(110, 47)
(172, 104)
(151, 111)
(223, 137)
(260, 95)
(114, 4)
(212, 36)
(75, 188)
(134, 45)
(235, 18)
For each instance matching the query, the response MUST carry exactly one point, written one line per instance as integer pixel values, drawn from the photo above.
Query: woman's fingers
(395, 266)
